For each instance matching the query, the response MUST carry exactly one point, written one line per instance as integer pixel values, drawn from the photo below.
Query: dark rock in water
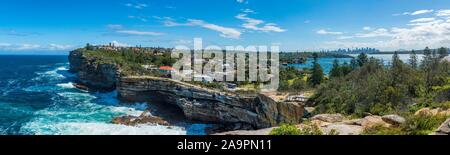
(80, 86)
(145, 118)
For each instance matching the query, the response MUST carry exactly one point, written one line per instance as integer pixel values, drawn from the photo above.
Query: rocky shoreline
(341, 125)
(232, 111)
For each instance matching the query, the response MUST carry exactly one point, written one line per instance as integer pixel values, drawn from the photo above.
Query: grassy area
(308, 128)
(415, 125)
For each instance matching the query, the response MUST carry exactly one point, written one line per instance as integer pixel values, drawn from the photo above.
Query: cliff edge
(252, 111)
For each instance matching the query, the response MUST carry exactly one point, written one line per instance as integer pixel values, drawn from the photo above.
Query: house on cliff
(166, 70)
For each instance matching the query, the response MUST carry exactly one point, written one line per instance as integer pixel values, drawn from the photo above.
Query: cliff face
(257, 111)
(92, 74)
(200, 104)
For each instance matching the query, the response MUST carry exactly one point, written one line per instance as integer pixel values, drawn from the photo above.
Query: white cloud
(419, 33)
(248, 11)
(141, 33)
(242, 1)
(421, 20)
(225, 31)
(141, 18)
(433, 34)
(442, 13)
(59, 47)
(421, 12)
(136, 5)
(367, 28)
(35, 47)
(253, 24)
(418, 12)
(326, 32)
(119, 44)
(381, 32)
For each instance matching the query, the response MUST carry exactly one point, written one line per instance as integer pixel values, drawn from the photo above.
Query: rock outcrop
(330, 118)
(342, 129)
(394, 119)
(92, 73)
(252, 111)
(433, 112)
(444, 129)
(144, 118)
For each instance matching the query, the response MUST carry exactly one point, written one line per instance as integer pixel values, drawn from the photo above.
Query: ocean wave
(66, 85)
(60, 73)
(40, 88)
(10, 86)
(98, 128)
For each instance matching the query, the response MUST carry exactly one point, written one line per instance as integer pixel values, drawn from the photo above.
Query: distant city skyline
(52, 26)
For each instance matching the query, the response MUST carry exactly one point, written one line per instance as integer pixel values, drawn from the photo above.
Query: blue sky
(56, 25)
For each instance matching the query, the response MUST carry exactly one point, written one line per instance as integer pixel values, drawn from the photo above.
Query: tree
(396, 62)
(413, 59)
(336, 71)
(89, 47)
(354, 63)
(362, 59)
(427, 59)
(442, 52)
(317, 72)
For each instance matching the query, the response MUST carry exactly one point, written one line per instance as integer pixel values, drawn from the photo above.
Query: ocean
(327, 63)
(37, 98)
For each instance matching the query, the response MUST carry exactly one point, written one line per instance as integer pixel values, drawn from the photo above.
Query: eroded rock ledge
(207, 105)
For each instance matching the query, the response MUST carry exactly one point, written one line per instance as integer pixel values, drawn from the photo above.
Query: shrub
(423, 124)
(381, 130)
(415, 125)
(284, 130)
(311, 129)
(308, 128)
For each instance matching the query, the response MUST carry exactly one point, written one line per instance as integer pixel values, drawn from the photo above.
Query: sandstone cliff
(95, 75)
(200, 104)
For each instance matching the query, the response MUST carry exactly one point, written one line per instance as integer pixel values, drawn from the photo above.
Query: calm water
(37, 97)
(327, 63)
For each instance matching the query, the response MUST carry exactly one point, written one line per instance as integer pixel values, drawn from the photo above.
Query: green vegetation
(292, 79)
(421, 124)
(308, 128)
(285, 130)
(131, 60)
(317, 76)
(372, 87)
